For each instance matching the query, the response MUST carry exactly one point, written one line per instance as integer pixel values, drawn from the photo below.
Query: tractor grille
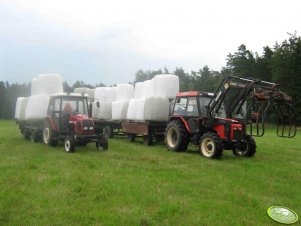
(88, 125)
(237, 135)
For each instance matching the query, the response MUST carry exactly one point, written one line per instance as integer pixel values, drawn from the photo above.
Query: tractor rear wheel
(176, 136)
(211, 145)
(247, 148)
(48, 135)
(69, 144)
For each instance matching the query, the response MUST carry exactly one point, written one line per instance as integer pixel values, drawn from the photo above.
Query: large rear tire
(176, 136)
(48, 136)
(247, 148)
(211, 145)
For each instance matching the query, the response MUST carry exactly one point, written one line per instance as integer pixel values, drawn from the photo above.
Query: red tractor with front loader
(229, 118)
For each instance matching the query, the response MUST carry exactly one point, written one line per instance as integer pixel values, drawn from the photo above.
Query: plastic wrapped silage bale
(156, 109)
(37, 107)
(148, 89)
(105, 110)
(49, 84)
(139, 86)
(110, 94)
(140, 109)
(100, 93)
(18, 107)
(166, 85)
(119, 109)
(132, 109)
(124, 92)
(95, 109)
(23, 108)
(35, 87)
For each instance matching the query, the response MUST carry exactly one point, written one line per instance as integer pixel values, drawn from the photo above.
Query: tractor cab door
(54, 111)
(187, 107)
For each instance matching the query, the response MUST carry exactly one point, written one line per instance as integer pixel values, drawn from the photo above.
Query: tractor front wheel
(69, 144)
(211, 145)
(247, 148)
(176, 136)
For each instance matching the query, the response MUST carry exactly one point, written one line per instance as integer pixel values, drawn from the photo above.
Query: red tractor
(68, 121)
(219, 121)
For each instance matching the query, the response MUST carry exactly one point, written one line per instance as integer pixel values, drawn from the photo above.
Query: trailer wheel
(108, 131)
(176, 136)
(102, 143)
(34, 137)
(131, 137)
(246, 148)
(147, 139)
(69, 144)
(211, 145)
(26, 134)
(48, 135)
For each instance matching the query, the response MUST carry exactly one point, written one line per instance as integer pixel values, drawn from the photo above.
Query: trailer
(148, 129)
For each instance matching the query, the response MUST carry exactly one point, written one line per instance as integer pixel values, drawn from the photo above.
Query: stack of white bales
(124, 93)
(152, 98)
(41, 88)
(85, 91)
(104, 96)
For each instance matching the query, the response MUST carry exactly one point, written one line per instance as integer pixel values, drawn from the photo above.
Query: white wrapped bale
(106, 94)
(140, 109)
(85, 91)
(37, 107)
(23, 108)
(148, 89)
(139, 86)
(35, 88)
(100, 93)
(95, 110)
(18, 107)
(119, 109)
(105, 110)
(132, 109)
(124, 92)
(166, 85)
(156, 109)
(46, 84)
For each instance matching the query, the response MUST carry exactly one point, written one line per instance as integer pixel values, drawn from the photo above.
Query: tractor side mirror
(97, 104)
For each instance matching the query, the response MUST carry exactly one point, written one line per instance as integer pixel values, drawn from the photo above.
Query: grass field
(131, 184)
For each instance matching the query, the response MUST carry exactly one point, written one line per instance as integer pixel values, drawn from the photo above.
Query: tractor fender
(182, 120)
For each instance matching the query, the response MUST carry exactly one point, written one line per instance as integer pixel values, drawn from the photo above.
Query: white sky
(108, 41)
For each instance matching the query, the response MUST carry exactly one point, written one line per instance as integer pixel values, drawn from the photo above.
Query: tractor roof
(194, 94)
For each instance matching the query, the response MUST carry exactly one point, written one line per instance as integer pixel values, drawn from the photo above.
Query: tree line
(280, 64)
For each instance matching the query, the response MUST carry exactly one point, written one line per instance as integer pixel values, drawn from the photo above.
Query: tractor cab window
(192, 107)
(74, 105)
(180, 106)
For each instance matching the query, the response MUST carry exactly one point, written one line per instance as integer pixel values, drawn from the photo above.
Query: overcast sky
(108, 41)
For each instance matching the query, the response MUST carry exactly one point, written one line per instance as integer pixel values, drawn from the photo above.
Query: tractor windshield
(75, 105)
(204, 101)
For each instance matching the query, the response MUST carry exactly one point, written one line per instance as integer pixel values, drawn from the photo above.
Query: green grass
(131, 184)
